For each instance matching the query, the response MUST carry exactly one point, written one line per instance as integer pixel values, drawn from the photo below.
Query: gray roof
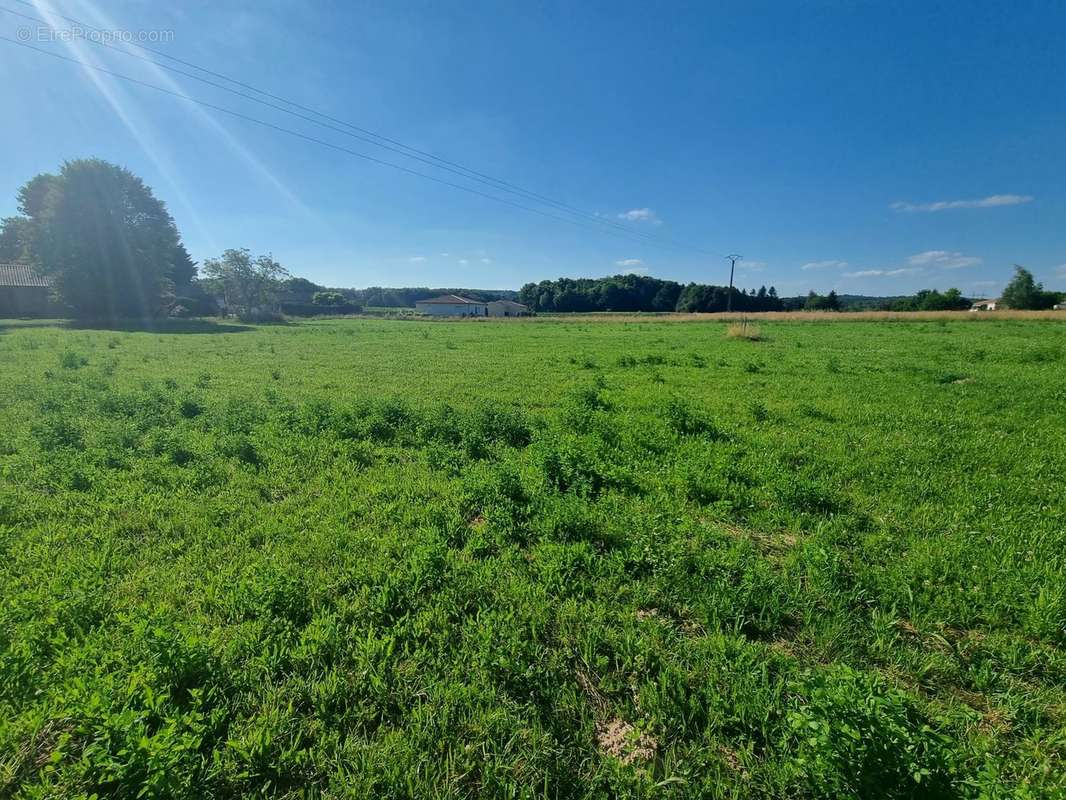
(508, 303)
(20, 275)
(452, 300)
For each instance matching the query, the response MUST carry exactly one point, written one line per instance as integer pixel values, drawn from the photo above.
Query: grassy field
(373, 558)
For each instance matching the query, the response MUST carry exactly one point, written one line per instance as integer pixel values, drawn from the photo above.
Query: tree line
(641, 293)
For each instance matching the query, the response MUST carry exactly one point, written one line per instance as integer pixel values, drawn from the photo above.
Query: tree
(246, 284)
(1024, 292)
(183, 268)
(99, 233)
(328, 299)
(299, 290)
(16, 238)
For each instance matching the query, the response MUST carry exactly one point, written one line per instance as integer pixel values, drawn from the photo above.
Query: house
(984, 305)
(23, 293)
(1059, 307)
(507, 308)
(452, 305)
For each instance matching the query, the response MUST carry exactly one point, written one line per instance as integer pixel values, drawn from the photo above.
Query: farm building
(984, 305)
(1059, 307)
(23, 293)
(452, 305)
(507, 308)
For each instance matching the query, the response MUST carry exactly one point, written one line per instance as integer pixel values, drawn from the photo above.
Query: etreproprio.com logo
(77, 33)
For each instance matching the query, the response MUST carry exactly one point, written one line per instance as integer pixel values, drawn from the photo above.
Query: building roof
(509, 304)
(451, 300)
(20, 275)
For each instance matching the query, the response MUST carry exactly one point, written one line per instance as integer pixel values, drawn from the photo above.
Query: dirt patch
(619, 739)
(614, 736)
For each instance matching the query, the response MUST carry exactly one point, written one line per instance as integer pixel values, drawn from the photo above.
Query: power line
(324, 143)
(363, 134)
(461, 171)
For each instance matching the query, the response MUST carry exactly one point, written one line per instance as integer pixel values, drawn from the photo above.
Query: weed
(744, 330)
(71, 359)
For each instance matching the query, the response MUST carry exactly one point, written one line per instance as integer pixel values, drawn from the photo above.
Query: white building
(984, 305)
(452, 305)
(507, 308)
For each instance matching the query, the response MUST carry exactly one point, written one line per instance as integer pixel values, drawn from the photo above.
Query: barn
(23, 293)
(507, 308)
(452, 305)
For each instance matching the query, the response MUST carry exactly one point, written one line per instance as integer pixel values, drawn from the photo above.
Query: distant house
(452, 305)
(984, 305)
(23, 293)
(507, 308)
(1059, 307)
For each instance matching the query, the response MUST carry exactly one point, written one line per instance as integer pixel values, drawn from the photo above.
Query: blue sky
(867, 147)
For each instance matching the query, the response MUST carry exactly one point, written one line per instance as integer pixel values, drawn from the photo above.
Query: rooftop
(451, 299)
(20, 275)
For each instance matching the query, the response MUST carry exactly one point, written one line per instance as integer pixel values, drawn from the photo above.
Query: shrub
(72, 360)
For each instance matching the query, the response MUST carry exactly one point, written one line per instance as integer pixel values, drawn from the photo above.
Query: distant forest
(642, 293)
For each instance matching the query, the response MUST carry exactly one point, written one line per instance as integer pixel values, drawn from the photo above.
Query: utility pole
(733, 259)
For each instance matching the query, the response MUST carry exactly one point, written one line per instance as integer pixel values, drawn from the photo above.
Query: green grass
(359, 558)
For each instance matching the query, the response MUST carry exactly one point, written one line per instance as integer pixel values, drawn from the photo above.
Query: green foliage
(182, 268)
(248, 286)
(343, 558)
(932, 300)
(1023, 292)
(328, 299)
(817, 302)
(855, 736)
(109, 246)
(640, 293)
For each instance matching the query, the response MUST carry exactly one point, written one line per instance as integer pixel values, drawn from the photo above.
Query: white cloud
(640, 215)
(629, 262)
(992, 201)
(945, 259)
(463, 261)
(882, 273)
(417, 259)
(445, 255)
(1060, 269)
(751, 266)
(824, 265)
(486, 261)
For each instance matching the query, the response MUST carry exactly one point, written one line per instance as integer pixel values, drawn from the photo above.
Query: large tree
(246, 284)
(99, 233)
(1024, 292)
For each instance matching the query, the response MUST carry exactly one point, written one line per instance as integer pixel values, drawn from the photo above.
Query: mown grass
(359, 558)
